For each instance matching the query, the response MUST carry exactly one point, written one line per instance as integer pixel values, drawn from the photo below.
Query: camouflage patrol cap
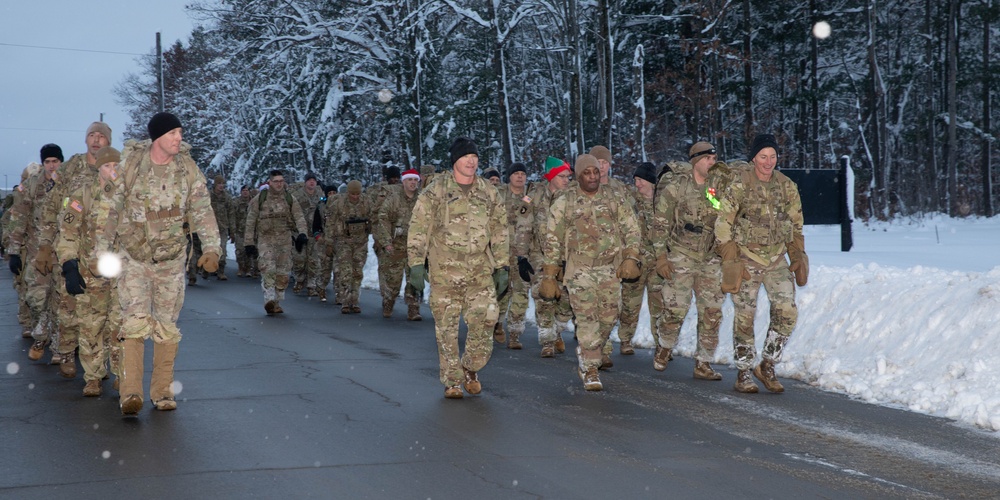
(108, 154)
(584, 161)
(354, 187)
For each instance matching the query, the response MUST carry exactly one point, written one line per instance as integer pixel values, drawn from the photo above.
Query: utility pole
(159, 70)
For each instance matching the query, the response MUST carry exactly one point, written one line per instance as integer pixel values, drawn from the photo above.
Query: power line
(71, 50)
(38, 129)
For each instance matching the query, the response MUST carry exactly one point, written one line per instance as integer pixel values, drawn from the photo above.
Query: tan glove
(728, 250)
(664, 267)
(629, 271)
(733, 274)
(799, 260)
(548, 287)
(209, 261)
(45, 259)
(329, 250)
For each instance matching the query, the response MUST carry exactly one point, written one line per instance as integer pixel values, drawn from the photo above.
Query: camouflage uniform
(222, 205)
(349, 224)
(685, 233)
(245, 263)
(39, 284)
(274, 220)
(552, 317)
(23, 311)
(649, 282)
(307, 265)
(762, 218)
(520, 220)
(145, 217)
(98, 309)
(463, 237)
(592, 233)
(392, 228)
(326, 250)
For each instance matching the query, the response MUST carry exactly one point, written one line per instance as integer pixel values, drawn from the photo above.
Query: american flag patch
(75, 205)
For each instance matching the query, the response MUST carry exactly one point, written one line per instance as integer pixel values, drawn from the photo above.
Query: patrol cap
(584, 161)
(354, 187)
(700, 148)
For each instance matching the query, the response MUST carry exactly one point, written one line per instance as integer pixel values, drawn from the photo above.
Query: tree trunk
(952, 100)
(987, 109)
(500, 73)
(575, 91)
(607, 79)
(814, 91)
(933, 198)
(875, 118)
(748, 124)
(639, 99)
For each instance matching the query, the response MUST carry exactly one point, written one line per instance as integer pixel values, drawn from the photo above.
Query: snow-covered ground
(910, 317)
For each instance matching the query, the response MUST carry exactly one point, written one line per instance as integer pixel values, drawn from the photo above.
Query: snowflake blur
(109, 265)
(821, 29)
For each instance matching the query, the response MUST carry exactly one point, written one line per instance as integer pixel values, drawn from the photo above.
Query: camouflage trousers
(23, 311)
(704, 279)
(224, 246)
(307, 266)
(649, 283)
(551, 316)
(150, 296)
(242, 261)
(42, 300)
(350, 258)
(326, 268)
(391, 269)
(456, 293)
(514, 301)
(779, 284)
(100, 319)
(275, 263)
(195, 254)
(595, 294)
(66, 317)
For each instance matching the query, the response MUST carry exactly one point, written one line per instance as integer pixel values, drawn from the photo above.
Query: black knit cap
(646, 171)
(516, 167)
(491, 172)
(160, 124)
(462, 146)
(312, 176)
(391, 173)
(760, 142)
(51, 151)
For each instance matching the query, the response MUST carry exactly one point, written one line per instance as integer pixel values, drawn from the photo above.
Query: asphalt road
(319, 404)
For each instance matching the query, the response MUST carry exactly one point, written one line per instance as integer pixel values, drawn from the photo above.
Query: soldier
(598, 238)
(493, 176)
(551, 316)
(460, 228)
(222, 205)
(23, 311)
(426, 175)
(306, 265)
(96, 304)
(273, 221)
(520, 218)
(348, 222)
(39, 282)
(326, 246)
(390, 235)
(241, 205)
(160, 188)
(760, 220)
(379, 192)
(603, 156)
(649, 282)
(686, 210)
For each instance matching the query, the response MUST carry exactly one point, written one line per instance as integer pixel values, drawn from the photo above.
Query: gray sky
(53, 95)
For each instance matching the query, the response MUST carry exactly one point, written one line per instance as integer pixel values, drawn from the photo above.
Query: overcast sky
(53, 95)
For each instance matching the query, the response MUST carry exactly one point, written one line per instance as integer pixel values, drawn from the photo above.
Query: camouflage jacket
(273, 217)
(222, 205)
(458, 230)
(347, 220)
(761, 217)
(150, 204)
(240, 209)
(26, 214)
(392, 227)
(685, 216)
(520, 219)
(9, 203)
(644, 218)
(541, 198)
(78, 226)
(309, 204)
(589, 230)
(378, 193)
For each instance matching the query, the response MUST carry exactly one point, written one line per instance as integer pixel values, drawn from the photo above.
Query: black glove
(251, 251)
(300, 242)
(15, 263)
(74, 281)
(524, 268)
(501, 279)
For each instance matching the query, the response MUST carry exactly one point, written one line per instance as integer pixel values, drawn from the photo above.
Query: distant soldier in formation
(760, 221)
(460, 228)
(23, 311)
(274, 226)
(597, 236)
(687, 206)
(222, 205)
(603, 155)
(306, 265)
(241, 206)
(520, 219)
(493, 176)
(160, 188)
(97, 304)
(391, 231)
(552, 316)
(348, 223)
(326, 245)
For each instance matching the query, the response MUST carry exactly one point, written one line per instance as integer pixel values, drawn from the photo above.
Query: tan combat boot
(626, 348)
(704, 371)
(277, 308)
(765, 373)
(163, 375)
(221, 276)
(322, 294)
(745, 383)
(387, 305)
(591, 380)
(130, 391)
(472, 384)
(453, 392)
(37, 350)
(92, 389)
(499, 336)
(513, 342)
(661, 358)
(548, 349)
(560, 345)
(413, 313)
(67, 365)
(606, 362)
(269, 307)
